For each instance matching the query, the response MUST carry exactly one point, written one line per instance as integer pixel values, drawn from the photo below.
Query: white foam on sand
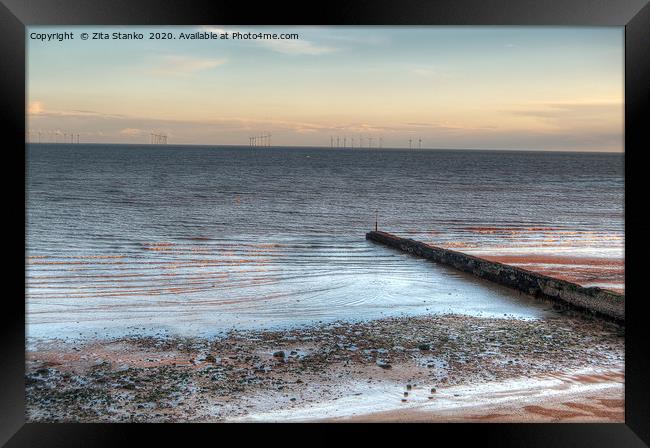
(365, 399)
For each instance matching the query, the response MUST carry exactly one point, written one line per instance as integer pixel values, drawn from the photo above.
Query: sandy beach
(430, 368)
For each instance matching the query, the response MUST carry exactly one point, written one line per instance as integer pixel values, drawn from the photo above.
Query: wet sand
(380, 370)
(592, 397)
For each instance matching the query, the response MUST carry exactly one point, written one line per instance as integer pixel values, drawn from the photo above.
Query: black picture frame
(634, 15)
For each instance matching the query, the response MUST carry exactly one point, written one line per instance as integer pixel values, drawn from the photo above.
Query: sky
(528, 88)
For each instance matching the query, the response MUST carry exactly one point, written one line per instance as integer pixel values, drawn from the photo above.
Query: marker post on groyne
(592, 300)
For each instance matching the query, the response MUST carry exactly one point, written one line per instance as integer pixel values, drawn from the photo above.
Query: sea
(202, 240)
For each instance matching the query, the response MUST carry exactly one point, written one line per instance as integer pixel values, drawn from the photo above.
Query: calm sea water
(198, 240)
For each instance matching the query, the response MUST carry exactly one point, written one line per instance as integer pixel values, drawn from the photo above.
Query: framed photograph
(377, 213)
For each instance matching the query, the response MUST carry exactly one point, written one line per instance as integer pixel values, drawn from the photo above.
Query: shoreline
(274, 373)
(579, 396)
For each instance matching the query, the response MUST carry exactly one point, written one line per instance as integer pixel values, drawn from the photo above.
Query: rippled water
(197, 240)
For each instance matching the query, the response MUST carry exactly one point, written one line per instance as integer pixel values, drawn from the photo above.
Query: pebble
(384, 364)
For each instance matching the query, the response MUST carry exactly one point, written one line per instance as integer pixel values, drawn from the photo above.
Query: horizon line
(333, 148)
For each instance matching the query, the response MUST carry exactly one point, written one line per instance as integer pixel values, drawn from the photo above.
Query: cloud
(175, 65)
(574, 116)
(35, 108)
(213, 29)
(296, 47)
(424, 72)
(446, 127)
(364, 38)
(96, 127)
(284, 46)
(364, 128)
(430, 72)
(131, 131)
(555, 109)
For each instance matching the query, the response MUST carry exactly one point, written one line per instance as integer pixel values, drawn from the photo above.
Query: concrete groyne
(595, 301)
